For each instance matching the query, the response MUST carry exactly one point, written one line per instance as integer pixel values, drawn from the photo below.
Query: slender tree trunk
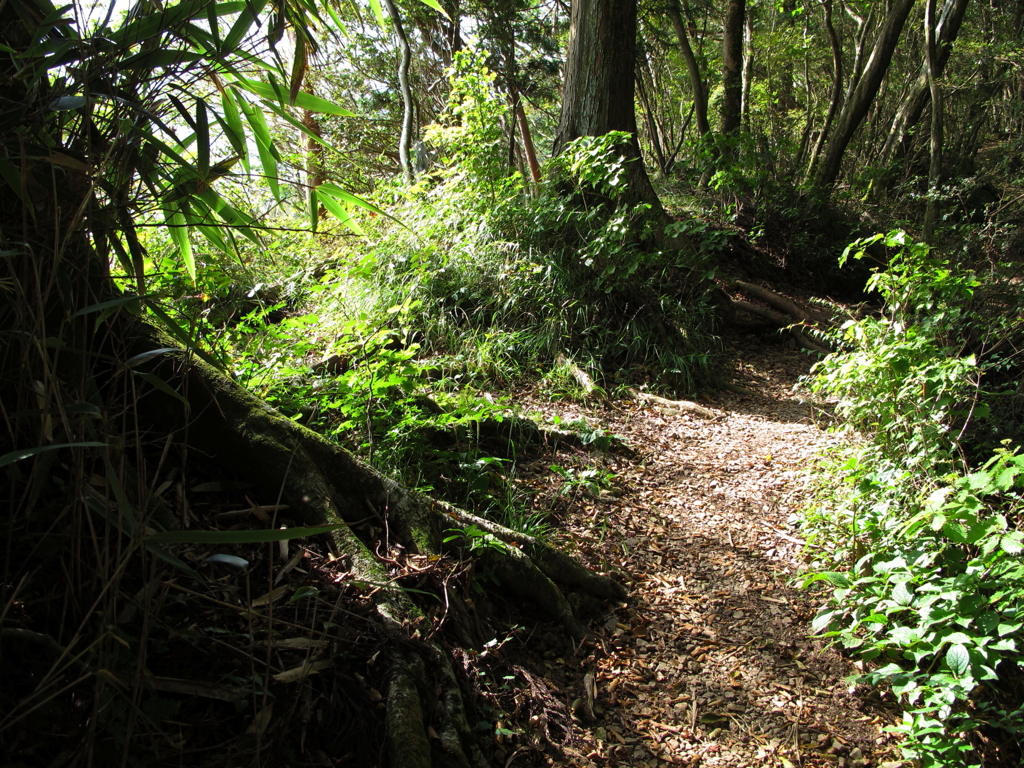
(405, 141)
(935, 166)
(836, 96)
(316, 173)
(915, 101)
(859, 102)
(652, 125)
(863, 26)
(810, 107)
(748, 69)
(700, 93)
(732, 67)
(528, 149)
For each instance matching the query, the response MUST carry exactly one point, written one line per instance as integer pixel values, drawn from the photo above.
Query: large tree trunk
(324, 484)
(859, 101)
(598, 91)
(87, 388)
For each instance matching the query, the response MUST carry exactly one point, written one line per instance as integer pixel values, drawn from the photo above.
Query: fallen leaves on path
(711, 661)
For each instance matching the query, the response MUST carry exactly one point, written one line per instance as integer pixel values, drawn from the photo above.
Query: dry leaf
(261, 720)
(298, 673)
(274, 594)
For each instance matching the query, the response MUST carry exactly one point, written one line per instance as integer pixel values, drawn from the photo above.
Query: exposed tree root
(590, 389)
(323, 483)
(676, 406)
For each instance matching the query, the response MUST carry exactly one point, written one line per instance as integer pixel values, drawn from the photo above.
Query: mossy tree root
(322, 483)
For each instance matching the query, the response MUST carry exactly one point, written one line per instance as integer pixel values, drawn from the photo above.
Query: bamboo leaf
(302, 100)
(183, 336)
(436, 6)
(12, 176)
(239, 537)
(378, 13)
(237, 562)
(142, 357)
(348, 197)
(167, 59)
(212, 18)
(299, 65)
(163, 386)
(13, 456)
(337, 210)
(179, 231)
(155, 24)
(170, 559)
(232, 124)
(104, 305)
(264, 146)
(243, 24)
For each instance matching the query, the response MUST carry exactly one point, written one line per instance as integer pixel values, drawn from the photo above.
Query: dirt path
(710, 663)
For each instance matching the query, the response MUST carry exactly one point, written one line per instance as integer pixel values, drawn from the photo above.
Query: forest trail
(711, 662)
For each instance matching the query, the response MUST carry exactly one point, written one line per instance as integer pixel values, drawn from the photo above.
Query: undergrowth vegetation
(474, 280)
(918, 533)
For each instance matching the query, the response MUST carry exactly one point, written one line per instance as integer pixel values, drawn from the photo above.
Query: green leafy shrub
(508, 278)
(923, 554)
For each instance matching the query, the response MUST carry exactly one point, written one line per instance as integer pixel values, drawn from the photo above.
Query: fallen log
(781, 303)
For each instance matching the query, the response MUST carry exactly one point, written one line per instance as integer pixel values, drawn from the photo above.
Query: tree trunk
(648, 109)
(836, 96)
(700, 94)
(598, 91)
(915, 101)
(748, 73)
(528, 148)
(405, 141)
(859, 101)
(732, 67)
(935, 165)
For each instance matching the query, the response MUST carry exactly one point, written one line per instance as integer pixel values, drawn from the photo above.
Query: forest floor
(711, 662)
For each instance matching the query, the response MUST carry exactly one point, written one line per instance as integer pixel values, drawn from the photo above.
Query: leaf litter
(712, 661)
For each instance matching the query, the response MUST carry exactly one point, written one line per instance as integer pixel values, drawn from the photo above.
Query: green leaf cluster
(923, 556)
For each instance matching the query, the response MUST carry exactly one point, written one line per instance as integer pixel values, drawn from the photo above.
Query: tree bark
(748, 73)
(732, 67)
(935, 165)
(528, 148)
(648, 110)
(916, 100)
(859, 101)
(324, 484)
(598, 91)
(836, 96)
(405, 140)
(700, 94)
